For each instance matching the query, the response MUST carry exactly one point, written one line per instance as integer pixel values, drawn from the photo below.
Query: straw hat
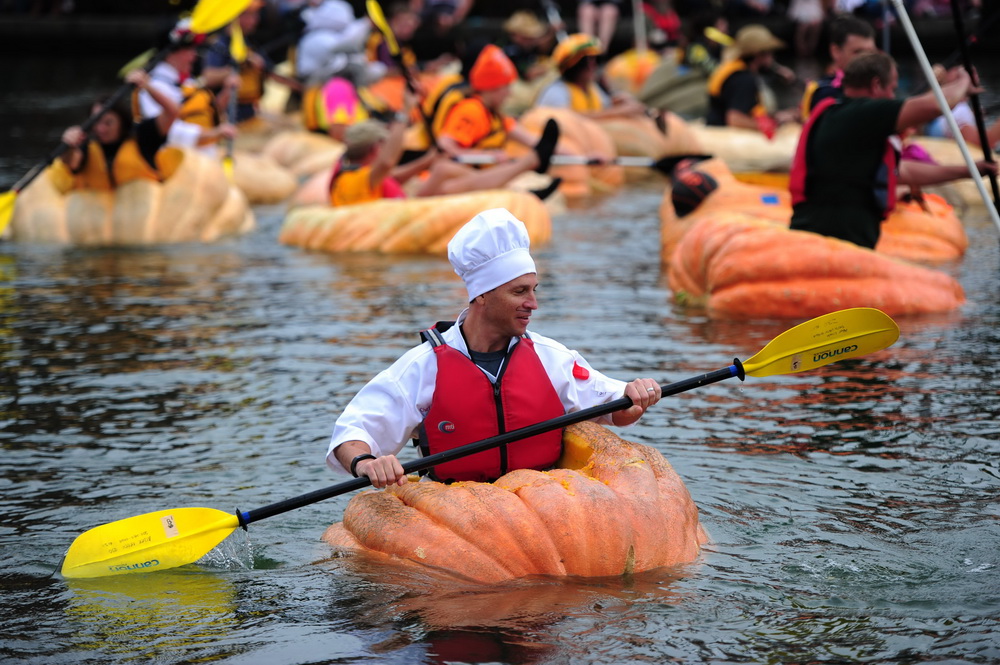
(754, 39)
(525, 24)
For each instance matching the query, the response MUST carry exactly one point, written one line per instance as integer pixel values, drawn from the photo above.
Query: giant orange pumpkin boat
(613, 507)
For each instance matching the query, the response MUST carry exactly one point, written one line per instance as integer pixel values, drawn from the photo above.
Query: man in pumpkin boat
(168, 78)
(218, 66)
(847, 164)
(735, 96)
(118, 151)
(478, 376)
(577, 86)
(370, 167)
(849, 37)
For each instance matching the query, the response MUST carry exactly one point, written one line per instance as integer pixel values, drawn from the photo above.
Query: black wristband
(354, 462)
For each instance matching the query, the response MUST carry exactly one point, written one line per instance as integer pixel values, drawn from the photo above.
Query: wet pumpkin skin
(622, 509)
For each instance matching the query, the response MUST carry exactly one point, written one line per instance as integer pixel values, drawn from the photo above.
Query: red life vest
(467, 408)
(884, 187)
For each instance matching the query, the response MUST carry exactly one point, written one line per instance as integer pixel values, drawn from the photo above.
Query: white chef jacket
(388, 409)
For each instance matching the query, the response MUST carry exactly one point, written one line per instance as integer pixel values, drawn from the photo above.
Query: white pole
(639, 25)
(945, 109)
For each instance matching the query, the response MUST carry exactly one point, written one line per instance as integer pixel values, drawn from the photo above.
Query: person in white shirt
(167, 77)
(477, 377)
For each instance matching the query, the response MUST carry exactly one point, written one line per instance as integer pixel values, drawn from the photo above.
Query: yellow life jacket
(441, 99)
(351, 184)
(806, 107)
(128, 165)
(722, 74)
(198, 108)
(251, 87)
(584, 100)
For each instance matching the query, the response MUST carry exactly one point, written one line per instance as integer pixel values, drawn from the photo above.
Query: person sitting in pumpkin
(577, 86)
(117, 151)
(370, 167)
(452, 386)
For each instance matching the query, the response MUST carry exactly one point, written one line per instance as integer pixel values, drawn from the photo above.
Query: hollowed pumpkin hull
(195, 204)
(407, 226)
(614, 507)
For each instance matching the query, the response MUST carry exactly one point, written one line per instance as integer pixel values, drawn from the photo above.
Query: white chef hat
(490, 250)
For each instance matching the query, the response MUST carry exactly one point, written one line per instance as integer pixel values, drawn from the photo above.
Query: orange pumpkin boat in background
(613, 508)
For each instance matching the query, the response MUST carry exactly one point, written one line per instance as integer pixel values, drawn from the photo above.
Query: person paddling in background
(846, 166)
(453, 387)
(475, 125)
(734, 91)
(167, 78)
(370, 168)
(118, 151)
(849, 38)
(577, 89)
(965, 118)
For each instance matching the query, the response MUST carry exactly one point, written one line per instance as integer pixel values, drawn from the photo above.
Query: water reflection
(521, 621)
(178, 612)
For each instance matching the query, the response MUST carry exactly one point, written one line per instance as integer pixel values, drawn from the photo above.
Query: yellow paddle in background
(238, 54)
(207, 17)
(176, 537)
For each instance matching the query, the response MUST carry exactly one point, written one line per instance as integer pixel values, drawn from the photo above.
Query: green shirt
(846, 148)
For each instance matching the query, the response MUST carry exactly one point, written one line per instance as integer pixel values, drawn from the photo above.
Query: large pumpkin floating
(928, 232)
(413, 225)
(628, 71)
(262, 179)
(302, 152)
(739, 266)
(748, 149)
(614, 508)
(195, 204)
(640, 137)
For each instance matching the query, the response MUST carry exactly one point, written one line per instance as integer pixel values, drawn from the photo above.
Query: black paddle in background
(977, 109)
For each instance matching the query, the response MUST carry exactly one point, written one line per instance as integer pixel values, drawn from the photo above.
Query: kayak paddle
(238, 54)
(662, 165)
(207, 17)
(176, 537)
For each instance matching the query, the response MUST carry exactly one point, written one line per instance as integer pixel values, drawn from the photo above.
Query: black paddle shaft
(977, 108)
(245, 518)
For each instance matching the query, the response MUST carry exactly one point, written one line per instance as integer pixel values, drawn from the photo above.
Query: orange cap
(492, 70)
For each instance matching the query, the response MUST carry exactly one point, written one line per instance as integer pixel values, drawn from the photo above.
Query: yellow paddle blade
(136, 62)
(237, 45)
(210, 15)
(7, 201)
(227, 166)
(836, 336)
(378, 18)
(154, 541)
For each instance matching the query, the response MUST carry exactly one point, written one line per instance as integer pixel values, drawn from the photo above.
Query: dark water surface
(853, 511)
